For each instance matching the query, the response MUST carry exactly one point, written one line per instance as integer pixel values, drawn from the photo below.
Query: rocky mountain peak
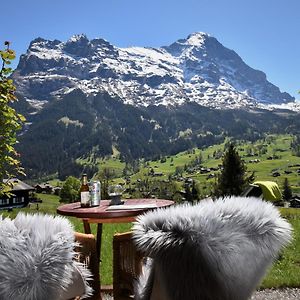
(197, 69)
(78, 45)
(197, 39)
(78, 38)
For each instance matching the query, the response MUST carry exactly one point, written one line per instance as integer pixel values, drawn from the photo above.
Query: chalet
(276, 174)
(295, 201)
(44, 188)
(56, 190)
(18, 195)
(157, 174)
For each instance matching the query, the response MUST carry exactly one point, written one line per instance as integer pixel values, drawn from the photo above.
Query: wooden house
(295, 201)
(19, 194)
(44, 188)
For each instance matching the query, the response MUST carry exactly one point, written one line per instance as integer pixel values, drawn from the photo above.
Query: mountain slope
(78, 126)
(196, 69)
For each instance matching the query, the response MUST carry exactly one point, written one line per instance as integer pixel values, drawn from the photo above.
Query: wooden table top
(104, 214)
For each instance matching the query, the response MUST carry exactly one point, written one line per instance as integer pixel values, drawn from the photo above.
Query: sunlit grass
(286, 270)
(279, 146)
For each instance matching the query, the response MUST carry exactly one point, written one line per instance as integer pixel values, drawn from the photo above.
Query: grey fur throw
(36, 257)
(210, 251)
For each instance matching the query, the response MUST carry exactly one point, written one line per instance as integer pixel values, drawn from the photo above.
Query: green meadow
(270, 155)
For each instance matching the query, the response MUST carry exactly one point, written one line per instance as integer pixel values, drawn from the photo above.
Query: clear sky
(265, 33)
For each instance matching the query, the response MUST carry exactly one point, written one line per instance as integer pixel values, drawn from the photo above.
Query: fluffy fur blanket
(36, 257)
(209, 251)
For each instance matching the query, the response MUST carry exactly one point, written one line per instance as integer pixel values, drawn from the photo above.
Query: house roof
(18, 185)
(44, 186)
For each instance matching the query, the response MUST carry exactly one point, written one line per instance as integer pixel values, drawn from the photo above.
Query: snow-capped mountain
(77, 94)
(196, 69)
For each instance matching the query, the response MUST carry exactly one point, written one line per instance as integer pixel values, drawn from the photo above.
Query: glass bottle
(84, 192)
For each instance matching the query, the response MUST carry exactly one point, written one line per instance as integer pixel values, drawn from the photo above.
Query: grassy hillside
(270, 159)
(78, 127)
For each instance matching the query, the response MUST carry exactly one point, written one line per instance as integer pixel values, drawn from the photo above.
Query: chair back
(127, 265)
(215, 250)
(38, 259)
(86, 253)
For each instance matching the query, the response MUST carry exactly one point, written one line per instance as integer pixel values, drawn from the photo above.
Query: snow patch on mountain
(196, 69)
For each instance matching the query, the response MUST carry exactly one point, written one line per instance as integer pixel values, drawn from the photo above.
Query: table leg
(98, 246)
(98, 241)
(87, 229)
(86, 226)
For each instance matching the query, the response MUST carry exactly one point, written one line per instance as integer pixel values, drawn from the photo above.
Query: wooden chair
(87, 254)
(127, 264)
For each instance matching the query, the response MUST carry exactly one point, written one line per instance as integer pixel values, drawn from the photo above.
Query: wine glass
(115, 193)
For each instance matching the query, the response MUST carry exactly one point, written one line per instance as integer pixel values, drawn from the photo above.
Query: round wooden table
(105, 213)
(112, 214)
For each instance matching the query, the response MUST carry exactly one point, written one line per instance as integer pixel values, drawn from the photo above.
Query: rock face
(196, 69)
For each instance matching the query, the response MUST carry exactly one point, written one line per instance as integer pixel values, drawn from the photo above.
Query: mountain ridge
(196, 69)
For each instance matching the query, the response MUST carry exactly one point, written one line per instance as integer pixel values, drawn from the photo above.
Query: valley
(84, 98)
(167, 177)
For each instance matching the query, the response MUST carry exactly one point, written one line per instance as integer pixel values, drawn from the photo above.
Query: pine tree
(233, 179)
(287, 191)
(194, 191)
(188, 194)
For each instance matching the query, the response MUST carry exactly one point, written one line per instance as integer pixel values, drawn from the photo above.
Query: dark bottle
(84, 192)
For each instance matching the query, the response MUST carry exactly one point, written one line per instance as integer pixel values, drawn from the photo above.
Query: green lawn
(284, 273)
(286, 270)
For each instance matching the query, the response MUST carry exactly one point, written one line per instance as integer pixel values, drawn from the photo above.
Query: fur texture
(36, 255)
(212, 250)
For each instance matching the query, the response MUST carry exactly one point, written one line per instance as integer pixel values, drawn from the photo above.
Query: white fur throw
(210, 251)
(36, 257)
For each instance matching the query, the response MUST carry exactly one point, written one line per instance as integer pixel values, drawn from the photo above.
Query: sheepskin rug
(36, 257)
(215, 250)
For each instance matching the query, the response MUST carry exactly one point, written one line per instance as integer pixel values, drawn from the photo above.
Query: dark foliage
(287, 191)
(295, 145)
(232, 180)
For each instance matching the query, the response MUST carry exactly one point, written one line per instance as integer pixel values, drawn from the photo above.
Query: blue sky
(265, 33)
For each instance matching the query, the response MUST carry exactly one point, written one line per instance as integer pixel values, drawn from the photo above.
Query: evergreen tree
(295, 145)
(105, 175)
(188, 193)
(233, 179)
(287, 191)
(194, 191)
